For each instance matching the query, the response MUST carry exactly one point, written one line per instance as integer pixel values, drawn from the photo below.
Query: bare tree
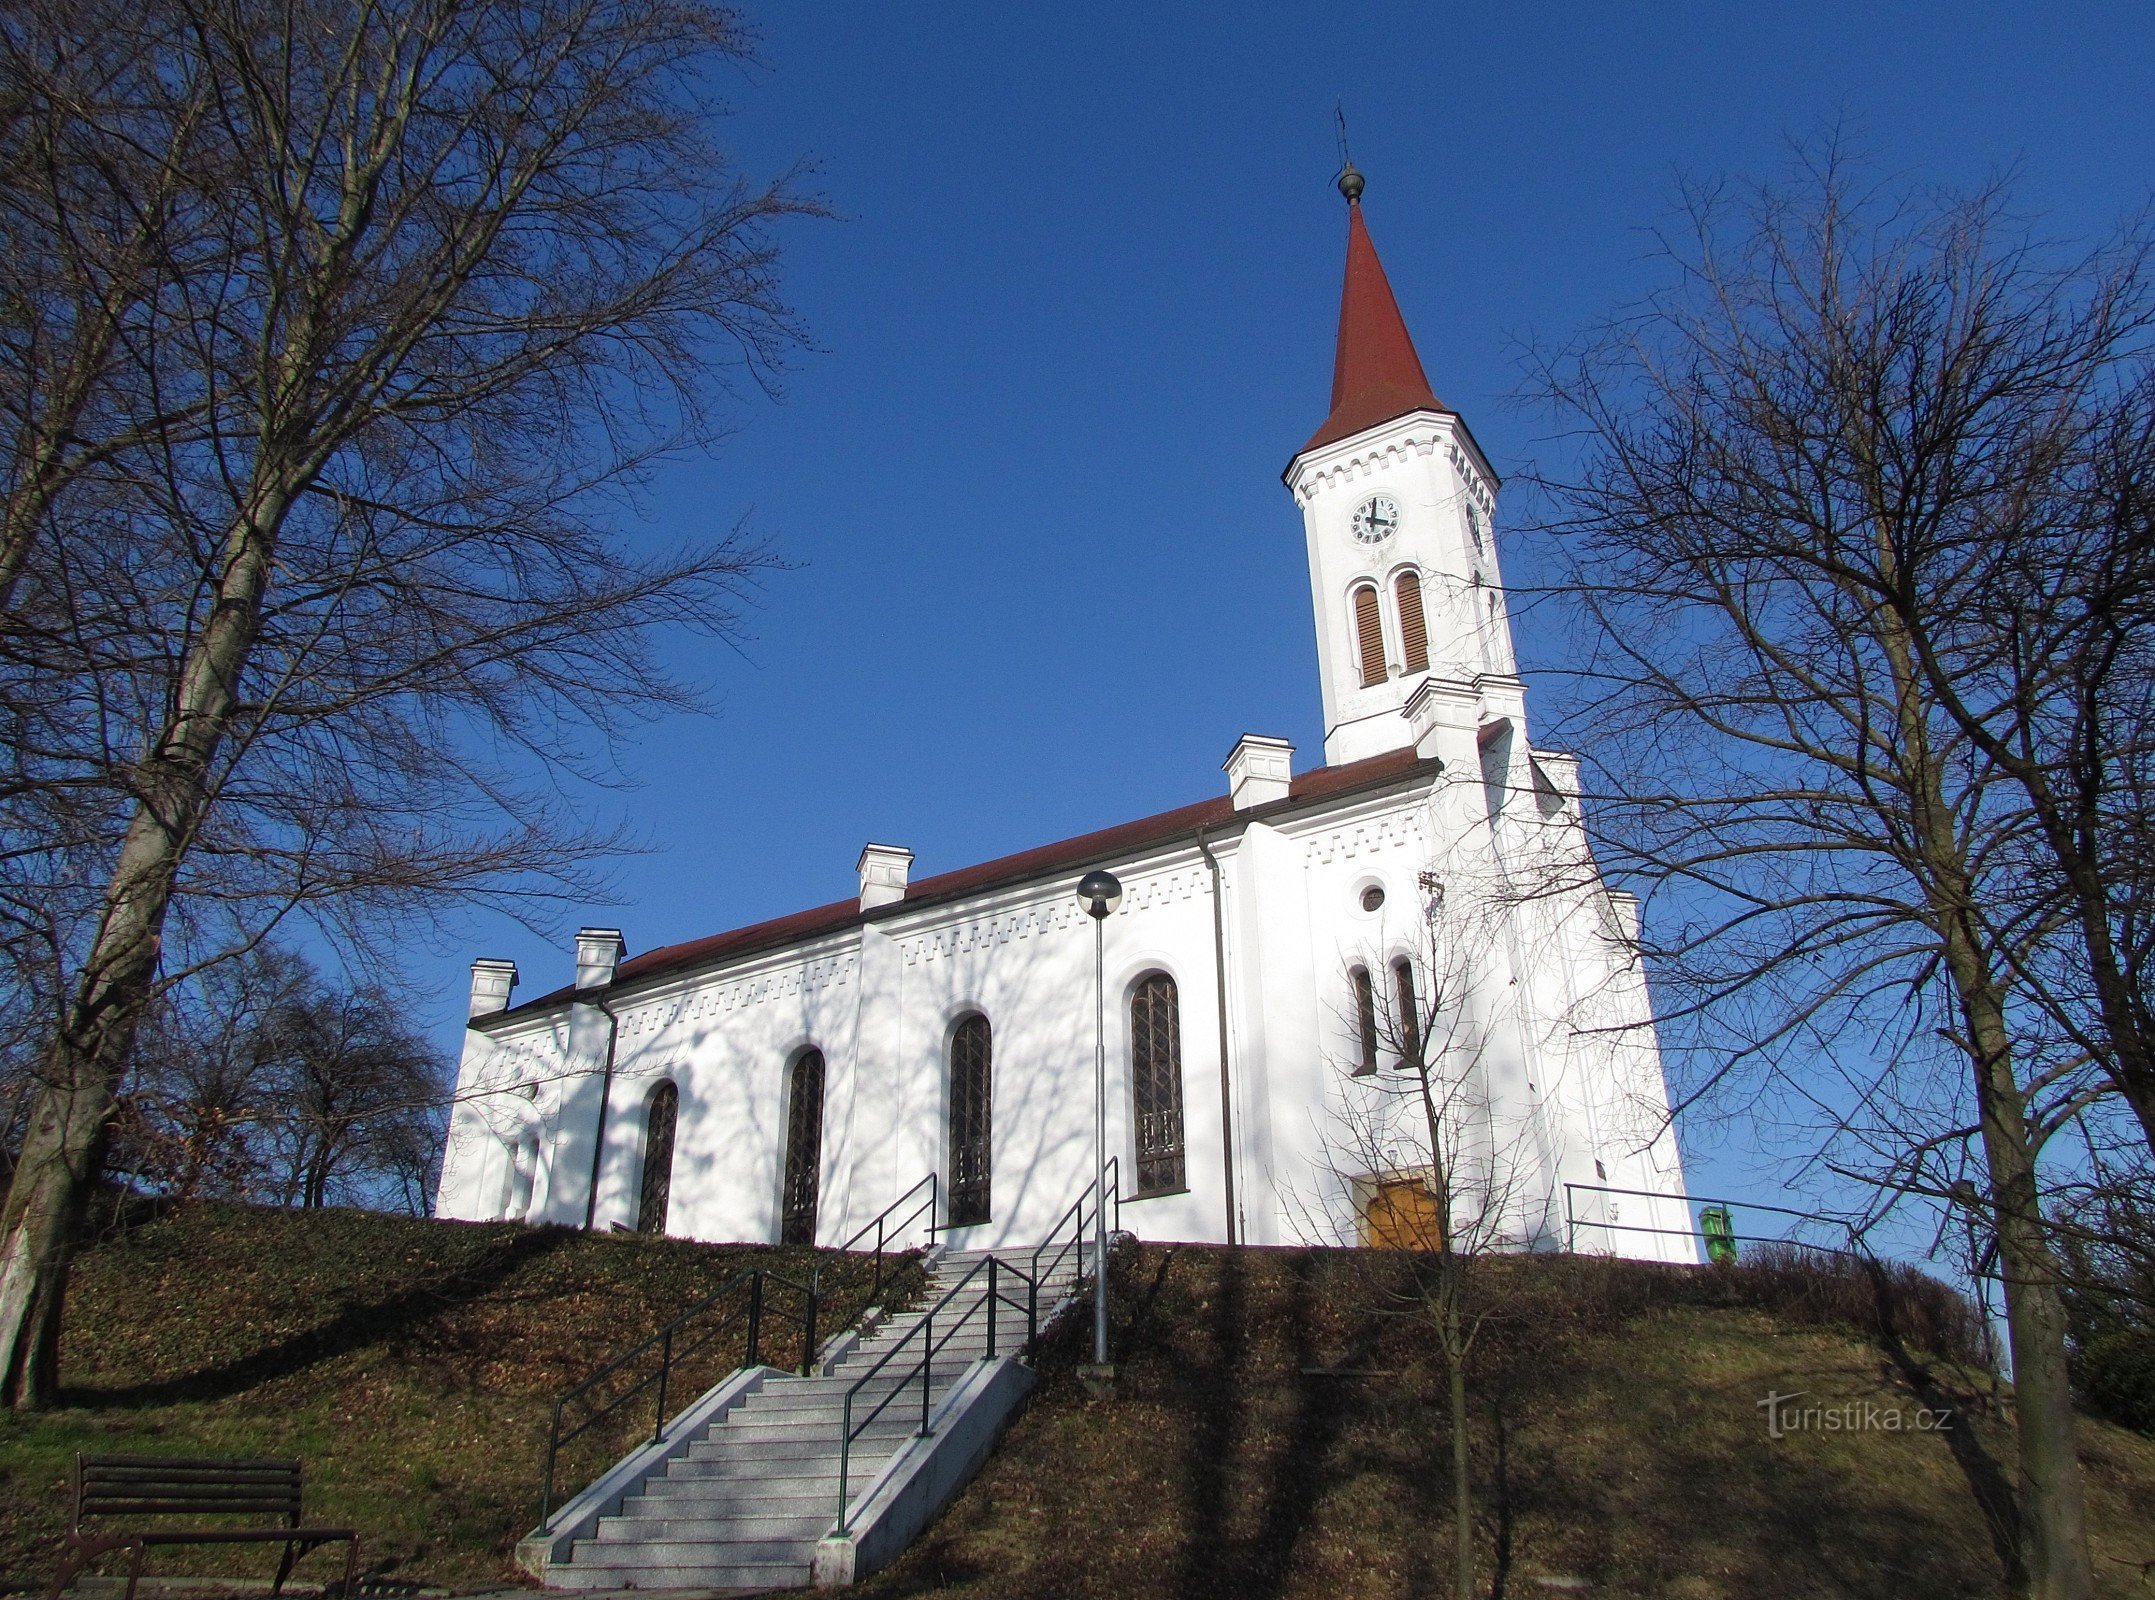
(1809, 475)
(261, 1080)
(187, 1121)
(453, 277)
(353, 1095)
(1420, 1159)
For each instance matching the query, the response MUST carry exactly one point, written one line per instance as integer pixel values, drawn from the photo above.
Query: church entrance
(1401, 1214)
(804, 1150)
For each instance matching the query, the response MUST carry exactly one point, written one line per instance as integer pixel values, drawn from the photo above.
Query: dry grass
(410, 1364)
(1616, 1432)
(1275, 1434)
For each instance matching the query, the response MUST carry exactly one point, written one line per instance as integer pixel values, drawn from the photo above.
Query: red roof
(1376, 375)
(1107, 844)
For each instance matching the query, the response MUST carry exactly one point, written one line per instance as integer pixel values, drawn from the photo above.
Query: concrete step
(749, 1524)
(696, 1553)
(903, 1369)
(741, 1510)
(832, 1396)
(661, 1495)
(791, 1443)
(811, 1456)
(899, 1418)
(735, 1578)
(816, 1456)
(710, 1497)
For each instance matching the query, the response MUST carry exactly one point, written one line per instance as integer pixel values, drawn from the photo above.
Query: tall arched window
(972, 1150)
(1365, 1021)
(1410, 1016)
(1413, 629)
(804, 1149)
(1368, 634)
(657, 1186)
(1156, 1084)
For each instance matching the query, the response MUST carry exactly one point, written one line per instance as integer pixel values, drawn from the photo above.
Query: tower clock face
(1377, 519)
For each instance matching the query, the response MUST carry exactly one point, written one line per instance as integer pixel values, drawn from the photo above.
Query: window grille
(972, 1157)
(804, 1150)
(657, 1187)
(1156, 1085)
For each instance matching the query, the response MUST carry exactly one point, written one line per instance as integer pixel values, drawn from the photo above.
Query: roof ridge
(1017, 867)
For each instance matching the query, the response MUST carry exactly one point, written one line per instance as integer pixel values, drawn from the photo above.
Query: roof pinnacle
(1376, 374)
(1350, 181)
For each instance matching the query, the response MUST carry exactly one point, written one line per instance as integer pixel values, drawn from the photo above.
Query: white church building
(1286, 951)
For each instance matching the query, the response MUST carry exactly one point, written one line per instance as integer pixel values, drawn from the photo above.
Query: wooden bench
(177, 1486)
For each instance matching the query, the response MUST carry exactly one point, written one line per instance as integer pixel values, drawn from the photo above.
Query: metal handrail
(882, 1224)
(1574, 1222)
(849, 1430)
(673, 1351)
(1076, 1217)
(994, 1266)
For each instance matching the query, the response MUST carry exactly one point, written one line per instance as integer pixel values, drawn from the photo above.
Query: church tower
(1397, 504)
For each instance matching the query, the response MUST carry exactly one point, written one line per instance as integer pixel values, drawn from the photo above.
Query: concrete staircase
(744, 1506)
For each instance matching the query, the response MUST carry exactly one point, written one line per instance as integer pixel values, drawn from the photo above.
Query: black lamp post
(1099, 893)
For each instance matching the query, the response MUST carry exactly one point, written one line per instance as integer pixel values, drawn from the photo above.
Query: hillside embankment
(1278, 1427)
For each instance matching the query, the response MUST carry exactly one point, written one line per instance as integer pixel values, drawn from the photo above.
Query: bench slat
(188, 1486)
(193, 1487)
(200, 1480)
(198, 1463)
(236, 1485)
(246, 1536)
(174, 1508)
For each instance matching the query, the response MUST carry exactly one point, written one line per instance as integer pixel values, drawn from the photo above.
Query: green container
(1720, 1231)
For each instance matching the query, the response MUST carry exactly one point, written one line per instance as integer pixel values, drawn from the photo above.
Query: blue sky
(1076, 310)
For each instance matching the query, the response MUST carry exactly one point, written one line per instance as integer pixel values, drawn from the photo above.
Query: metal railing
(1081, 1213)
(888, 1226)
(1697, 1232)
(747, 1296)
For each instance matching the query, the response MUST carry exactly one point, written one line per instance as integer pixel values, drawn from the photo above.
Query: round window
(1372, 897)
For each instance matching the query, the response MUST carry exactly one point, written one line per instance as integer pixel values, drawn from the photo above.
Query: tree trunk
(42, 1215)
(2053, 1501)
(2053, 1507)
(1455, 1360)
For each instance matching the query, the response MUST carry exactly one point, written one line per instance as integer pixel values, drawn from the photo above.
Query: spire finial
(1350, 181)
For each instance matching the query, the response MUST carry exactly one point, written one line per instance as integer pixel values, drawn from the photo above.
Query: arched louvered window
(657, 1186)
(1156, 1084)
(1365, 1021)
(1413, 630)
(804, 1149)
(1410, 1016)
(1368, 635)
(972, 1149)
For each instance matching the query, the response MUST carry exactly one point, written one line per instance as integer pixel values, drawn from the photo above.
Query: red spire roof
(1376, 375)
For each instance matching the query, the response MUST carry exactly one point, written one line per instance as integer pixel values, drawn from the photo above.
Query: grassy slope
(1617, 1436)
(1617, 1440)
(410, 1364)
